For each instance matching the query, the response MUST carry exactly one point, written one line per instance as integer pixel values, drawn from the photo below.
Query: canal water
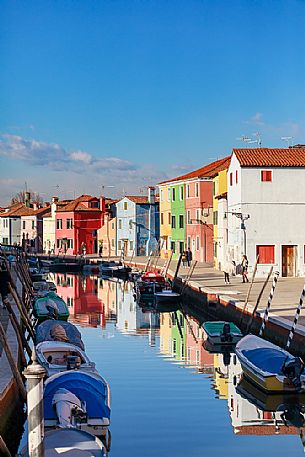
(170, 396)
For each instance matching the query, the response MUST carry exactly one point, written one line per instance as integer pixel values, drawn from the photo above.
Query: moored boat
(167, 296)
(71, 442)
(51, 306)
(270, 367)
(57, 356)
(77, 399)
(114, 269)
(221, 332)
(52, 330)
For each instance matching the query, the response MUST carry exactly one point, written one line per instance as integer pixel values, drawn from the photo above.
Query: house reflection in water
(81, 295)
(131, 318)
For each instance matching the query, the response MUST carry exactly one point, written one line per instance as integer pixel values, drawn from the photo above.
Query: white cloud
(81, 156)
(256, 119)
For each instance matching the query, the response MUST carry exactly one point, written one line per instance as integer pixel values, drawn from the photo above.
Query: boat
(167, 296)
(77, 399)
(57, 356)
(270, 367)
(72, 442)
(222, 332)
(41, 288)
(52, 330)
(51, 306)
(114, 269)
(66, 266)
(151, 276)
(148, 284)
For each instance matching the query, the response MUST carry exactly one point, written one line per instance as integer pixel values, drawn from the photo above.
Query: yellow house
(165, 333)
(165, 220)
(106, 236)
(220, 208)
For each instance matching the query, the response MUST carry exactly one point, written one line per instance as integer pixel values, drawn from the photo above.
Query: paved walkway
(286, 297)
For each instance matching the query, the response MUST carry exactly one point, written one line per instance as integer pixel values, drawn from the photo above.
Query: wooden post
(23, 313)
(11, 362)
(258, 300)
(188, 277)
(34, 374)
(177, 268)
(168, 264)
(3, 448)
(148, 262)
(21, 338)
(295, 320)
(250, 288)
(266, 313)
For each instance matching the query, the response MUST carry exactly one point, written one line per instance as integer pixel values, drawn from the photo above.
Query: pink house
(199, 209)
(195, 352)
(76, 225)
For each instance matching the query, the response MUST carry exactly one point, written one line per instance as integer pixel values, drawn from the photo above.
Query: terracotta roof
(138, 199)
(208, 171)
(44, 209)
(76, 205)
(271, 157)
(19, 209)
(48, 214)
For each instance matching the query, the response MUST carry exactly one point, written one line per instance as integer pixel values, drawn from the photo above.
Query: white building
(266, 209)
(10, 223)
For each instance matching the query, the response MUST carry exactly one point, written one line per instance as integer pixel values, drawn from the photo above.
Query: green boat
(221, 332)
(51, 306)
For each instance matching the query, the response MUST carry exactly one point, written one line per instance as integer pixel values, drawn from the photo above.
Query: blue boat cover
(89, 389)
(267, 359)
(44, 333)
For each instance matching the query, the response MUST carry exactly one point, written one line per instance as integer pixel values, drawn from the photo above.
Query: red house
(77, 223)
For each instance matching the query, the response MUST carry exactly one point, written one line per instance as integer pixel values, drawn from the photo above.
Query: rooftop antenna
(244, 138)
(288, 140)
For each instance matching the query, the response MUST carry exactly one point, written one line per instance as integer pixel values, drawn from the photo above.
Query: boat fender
(293, 369)
(226, 333)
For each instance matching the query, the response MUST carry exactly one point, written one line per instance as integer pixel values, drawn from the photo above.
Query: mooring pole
(258, 300)
(295, 320)
(266, 314)
(34, 374)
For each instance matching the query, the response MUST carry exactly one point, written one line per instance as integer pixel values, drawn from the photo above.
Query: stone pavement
(205, 277)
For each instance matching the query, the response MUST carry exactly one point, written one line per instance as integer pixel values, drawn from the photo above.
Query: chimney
(151, 194)
(27, 199)
(55, 199)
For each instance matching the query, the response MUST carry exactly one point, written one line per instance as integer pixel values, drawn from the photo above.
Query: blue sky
(128, 93)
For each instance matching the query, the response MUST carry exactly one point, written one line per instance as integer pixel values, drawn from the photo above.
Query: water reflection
(180, 339)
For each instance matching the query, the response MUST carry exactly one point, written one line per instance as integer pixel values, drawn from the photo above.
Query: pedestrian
(4, 282)
(100, 251)
(244, 266)
(189, 256)
(184, 259)
(229, 268)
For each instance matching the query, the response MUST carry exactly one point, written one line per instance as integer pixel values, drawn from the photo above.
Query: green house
(178, 335)
(178, 218)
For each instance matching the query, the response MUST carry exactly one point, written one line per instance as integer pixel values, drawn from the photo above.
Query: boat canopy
(51, 330)
(89, 388)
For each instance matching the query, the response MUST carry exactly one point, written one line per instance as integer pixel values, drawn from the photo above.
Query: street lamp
(243, 218)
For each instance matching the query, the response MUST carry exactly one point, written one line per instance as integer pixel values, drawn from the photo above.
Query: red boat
(150, 276)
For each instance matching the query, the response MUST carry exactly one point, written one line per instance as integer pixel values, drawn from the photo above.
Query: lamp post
(243, 218)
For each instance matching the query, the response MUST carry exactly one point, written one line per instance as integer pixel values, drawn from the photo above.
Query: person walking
(189, 256)
(184, 259)
(100, 251)
(229, 268)
(244, 266)
(4, 281)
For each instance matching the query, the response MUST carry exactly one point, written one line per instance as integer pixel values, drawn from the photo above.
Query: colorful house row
(186, 212)
(248, 203)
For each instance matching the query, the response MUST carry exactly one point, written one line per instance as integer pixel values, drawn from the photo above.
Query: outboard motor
(52, 309)
(226, 333)
(69, 408)
(293, 369)
(73, 362)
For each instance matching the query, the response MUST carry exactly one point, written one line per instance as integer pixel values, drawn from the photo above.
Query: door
(288, 261)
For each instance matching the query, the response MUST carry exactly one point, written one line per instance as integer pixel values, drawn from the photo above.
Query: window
(58, 243)
(236, 176)
(173, 221)
(231, 179)
(266, 175)
(95, 204)
(23, 225)
(215, 217)
(181, 221)
(189, 220)
(120, 223)
(181, 192)
(187, 190)
(131, 245)
(265, 253)
(181, 247)
(112, 242)
(112, 225)
(215, 249)
(196, 189)
(69, 223)
(94, 233)
(5, 240)
(168, 194)
(125, 206)
(197, 243)
(119, 245)
(70, 244)
(173, 194)
(33, 225)
(173, 246)
(169, 219)
(59, 224)
(198, 216)
(161, 218)
(189, 242)
(161, 195)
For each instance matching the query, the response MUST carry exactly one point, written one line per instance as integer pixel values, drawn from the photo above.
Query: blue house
(137, 224)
